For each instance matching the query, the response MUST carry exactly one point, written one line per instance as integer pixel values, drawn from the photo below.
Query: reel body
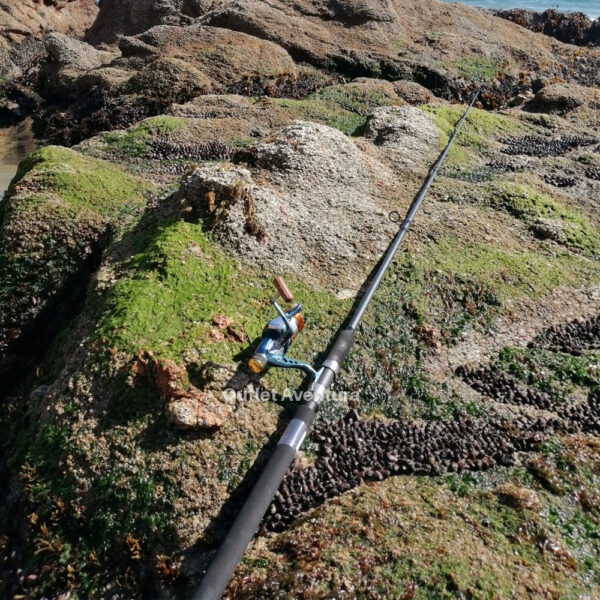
(277, 337)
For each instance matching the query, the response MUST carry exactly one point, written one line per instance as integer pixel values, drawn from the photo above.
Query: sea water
(15, 144)
(589, 7)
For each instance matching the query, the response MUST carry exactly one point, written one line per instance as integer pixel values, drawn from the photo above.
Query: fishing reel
(278, 335)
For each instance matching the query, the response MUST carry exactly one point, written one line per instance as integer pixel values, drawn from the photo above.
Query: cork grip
(283, 289)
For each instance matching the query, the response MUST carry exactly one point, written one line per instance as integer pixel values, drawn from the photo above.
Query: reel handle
(283, 289)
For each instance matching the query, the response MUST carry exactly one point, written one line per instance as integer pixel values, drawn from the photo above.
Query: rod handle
(244, 527)
(283, 289)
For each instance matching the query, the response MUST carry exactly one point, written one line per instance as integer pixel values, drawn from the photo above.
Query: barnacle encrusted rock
(270, 213)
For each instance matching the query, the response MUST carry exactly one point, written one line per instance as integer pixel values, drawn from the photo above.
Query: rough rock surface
(165, 61)
(220, 54)
(561, 97)
(22, 27)
(280, 224)
(244, 47)
(40, 221)
(572, 28)
(128, 17)
(131, 428)
(187, 406)
(67, 59)
(412, 45)
(19, 20)
(403, 132)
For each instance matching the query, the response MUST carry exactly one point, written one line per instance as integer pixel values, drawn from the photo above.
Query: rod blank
(245, 525)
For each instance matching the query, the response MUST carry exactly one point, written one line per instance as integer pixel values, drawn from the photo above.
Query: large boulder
(357, 12)
(443, 47)
(67, 60)
(270, 216)
(571, 28)
(129, 17)
(560, 98)
(59, 213)
(165, 61)
(32, 18)
(221, 54)
(22, 26)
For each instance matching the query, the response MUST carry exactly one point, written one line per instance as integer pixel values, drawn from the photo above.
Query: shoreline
(538, 10)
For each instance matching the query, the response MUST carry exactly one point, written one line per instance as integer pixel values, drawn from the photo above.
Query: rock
(365, 87)
(129, 17)
(197, 412)
(8, 69)
(516, 497)
(548, 229)
(375, 39)
(405, 133)
(187, 406)
(169, 76)
(412, 92)
(22, 26)
(560, 97)
(181, 62)
(521, 99)
(31, 18)
(571, 28)
(44, 224)
(279, 223)
(358, 12)
(220, 54)
(68, 59)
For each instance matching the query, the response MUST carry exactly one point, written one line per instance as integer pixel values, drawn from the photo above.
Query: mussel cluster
(584, 416)
(502, 388)
(573, 337)
(593, 173)
(570, 418)
(475, 175)
(503, 165)
(560, 181)
(353, 450)
(541, 146)
(211, 150)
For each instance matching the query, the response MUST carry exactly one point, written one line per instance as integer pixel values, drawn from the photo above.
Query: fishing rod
(277, 338)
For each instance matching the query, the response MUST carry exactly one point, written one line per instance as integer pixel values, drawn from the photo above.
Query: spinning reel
(278, 335)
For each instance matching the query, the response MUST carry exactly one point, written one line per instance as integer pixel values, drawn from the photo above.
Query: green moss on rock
(134, 142)
(548, 218)
(56, 219)
(477, 133)
(83, 182)
(179, 281)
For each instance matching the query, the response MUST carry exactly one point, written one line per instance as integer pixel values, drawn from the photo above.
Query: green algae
(343, 107)
(479, 130)
(179, 281)
(322, 111)
(479, 69)
(83, 182)
(353, 99)
(430, 298)
(480, 125)
(134, 142)
(525, 203)
(546, 369)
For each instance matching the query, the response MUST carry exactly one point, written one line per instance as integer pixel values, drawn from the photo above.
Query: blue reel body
(277, 337)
